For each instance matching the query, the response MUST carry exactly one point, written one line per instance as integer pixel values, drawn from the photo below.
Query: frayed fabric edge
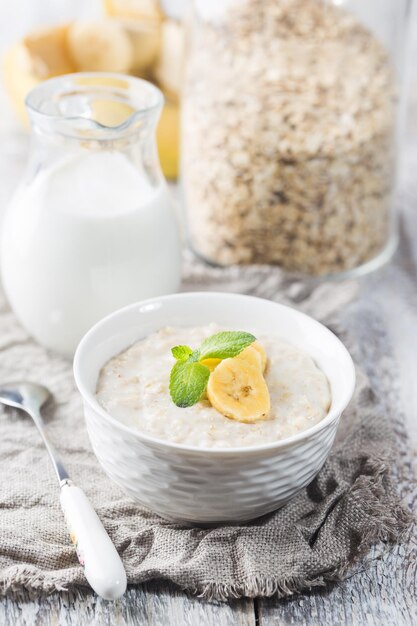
(25, 584)
(383, 524)
(21, 581)
(395, 527)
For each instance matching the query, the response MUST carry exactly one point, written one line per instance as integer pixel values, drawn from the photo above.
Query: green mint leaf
(181, 353)
(187, 382)
(195, 356)
(225, 345)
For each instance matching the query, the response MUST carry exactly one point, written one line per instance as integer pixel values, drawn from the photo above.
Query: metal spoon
(102, 565)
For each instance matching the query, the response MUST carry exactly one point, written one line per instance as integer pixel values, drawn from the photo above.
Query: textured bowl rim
(332, 415)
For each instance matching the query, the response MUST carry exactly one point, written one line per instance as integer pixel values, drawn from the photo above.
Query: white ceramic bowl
(193, 485)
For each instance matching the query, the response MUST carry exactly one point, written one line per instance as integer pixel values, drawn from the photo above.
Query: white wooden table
(384, 591)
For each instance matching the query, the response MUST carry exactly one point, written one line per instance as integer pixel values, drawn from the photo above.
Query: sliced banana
(237, 389)
(254, 354)
(170, 64)
(139, 10)
(262, 354)
(168, 137)
(101, 45)
(146, 43)
(47, 52)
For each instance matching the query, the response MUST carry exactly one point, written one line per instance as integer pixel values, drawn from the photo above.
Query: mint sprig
(189, 377)
(181, 353)
(188, 382)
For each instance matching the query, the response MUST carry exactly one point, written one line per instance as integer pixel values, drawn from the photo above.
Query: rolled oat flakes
(288, 137)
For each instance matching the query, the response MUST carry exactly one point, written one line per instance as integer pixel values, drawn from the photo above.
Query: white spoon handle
(102, 565)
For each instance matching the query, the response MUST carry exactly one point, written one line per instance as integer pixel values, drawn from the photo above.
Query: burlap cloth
(315, 538)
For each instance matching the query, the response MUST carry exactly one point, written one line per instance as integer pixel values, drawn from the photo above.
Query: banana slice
(146, 43)
(135, 10)
(237, 389)
(47, 52)
(168, 137)
(99, 46)
(170, 64)
(262, 354)
(254, 354)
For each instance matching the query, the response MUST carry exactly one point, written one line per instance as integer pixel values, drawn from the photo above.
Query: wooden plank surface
(383, 595)
(153, 604)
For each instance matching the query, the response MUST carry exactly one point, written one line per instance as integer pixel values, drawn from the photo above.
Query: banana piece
(262, 354)
(170, 64)
(167, 135)
(145, 39)
(41, 54)
(19, 79)
(100, 46)
(47, 52)
(140, 10)
(237, 389)
(255, 355)
(252, 356)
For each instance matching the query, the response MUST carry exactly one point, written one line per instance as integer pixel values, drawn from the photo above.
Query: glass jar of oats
(289, 133)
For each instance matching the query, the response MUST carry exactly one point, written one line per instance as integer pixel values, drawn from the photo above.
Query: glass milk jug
(92, 227)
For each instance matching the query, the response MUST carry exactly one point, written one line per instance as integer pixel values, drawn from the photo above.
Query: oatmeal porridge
(134, 387)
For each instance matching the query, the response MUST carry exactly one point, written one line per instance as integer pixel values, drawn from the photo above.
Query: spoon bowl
(24, 395)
